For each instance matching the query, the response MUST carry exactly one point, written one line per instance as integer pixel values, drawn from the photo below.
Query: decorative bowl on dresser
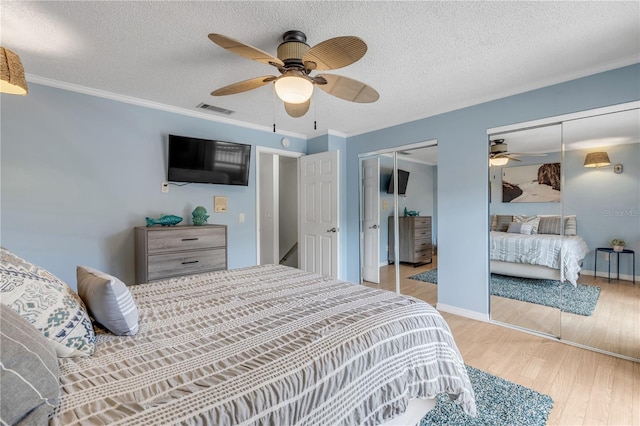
(164, 252)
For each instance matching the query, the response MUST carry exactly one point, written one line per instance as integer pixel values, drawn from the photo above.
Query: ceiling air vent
(214, 108)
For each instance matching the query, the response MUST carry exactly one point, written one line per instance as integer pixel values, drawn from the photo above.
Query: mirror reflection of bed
(596, 206)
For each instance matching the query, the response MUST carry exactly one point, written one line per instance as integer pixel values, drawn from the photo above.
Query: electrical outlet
(241, 217)
(165, 187)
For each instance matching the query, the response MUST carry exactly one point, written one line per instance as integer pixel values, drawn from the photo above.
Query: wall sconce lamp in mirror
(600, 160)
(11, 73)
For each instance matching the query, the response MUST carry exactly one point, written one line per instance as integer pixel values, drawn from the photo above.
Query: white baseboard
(604, 274)
(381, 264)
(462, 312)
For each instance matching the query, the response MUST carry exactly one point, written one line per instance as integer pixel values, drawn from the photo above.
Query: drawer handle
(192, 261)
(189, 239)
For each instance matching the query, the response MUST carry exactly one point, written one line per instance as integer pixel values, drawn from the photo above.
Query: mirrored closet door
(399, 188)
(596, 290)
(525, 179)
(602, 191)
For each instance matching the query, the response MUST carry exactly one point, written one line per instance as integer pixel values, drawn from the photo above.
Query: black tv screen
(208, 161)
(403, 179)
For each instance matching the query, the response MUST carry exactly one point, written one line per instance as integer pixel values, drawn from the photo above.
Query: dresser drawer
(185, 263)
(179, 250)
(422, 222)
(422, 233)
(163, 241)
(422, 244)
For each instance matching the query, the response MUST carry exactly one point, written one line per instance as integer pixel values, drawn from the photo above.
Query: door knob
(332, 230)
(373, 227)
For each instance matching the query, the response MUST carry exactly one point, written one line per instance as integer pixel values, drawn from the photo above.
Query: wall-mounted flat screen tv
(208, 161)
(403, 179)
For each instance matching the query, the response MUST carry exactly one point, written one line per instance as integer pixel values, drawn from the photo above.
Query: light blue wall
(79, 172)
(463, 190)
(420, 196)
(606, 205)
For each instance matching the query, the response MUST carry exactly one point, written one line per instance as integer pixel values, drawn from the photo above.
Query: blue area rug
(579, 300)
(499, 402)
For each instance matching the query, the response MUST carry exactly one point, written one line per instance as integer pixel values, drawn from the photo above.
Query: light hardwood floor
(588, 388)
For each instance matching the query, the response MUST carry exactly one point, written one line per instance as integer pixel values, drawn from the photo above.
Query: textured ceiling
(424, 58)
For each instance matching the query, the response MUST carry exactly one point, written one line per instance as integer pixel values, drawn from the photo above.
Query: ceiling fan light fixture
(293, 89)
(500, 161)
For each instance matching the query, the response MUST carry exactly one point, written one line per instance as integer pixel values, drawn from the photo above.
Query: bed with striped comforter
(553, 251)
(264, 345)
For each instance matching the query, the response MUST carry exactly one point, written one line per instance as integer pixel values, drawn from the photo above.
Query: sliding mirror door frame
(620, 333)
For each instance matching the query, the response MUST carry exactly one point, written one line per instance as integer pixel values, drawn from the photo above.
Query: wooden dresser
(171, 251)
(414, 239)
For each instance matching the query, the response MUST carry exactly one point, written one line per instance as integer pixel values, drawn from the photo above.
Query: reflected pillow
(109, 301)
(533, 221)
(550, 224)
(501, 222)
(520, 228)
(47, 303)
(514, 228)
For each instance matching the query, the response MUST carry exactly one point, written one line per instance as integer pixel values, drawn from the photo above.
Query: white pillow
(108, 300)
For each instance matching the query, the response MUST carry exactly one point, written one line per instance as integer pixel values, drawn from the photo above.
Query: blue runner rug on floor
(579, 300)
(499, 402)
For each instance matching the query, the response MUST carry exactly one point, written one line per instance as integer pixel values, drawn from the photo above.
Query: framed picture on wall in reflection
(538, 183)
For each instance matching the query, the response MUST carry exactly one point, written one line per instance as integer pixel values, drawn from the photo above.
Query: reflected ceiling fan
(500, 155)
(295, 62)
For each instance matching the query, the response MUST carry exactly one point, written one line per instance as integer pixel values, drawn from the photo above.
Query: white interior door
(371, 219)
(319, 227)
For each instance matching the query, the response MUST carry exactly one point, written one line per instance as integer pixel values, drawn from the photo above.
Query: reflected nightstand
(618, 253)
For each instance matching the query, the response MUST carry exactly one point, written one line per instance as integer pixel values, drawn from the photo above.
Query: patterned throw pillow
(48, 303)
(534, 221)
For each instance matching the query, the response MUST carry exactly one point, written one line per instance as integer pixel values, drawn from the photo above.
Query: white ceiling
(424, 58)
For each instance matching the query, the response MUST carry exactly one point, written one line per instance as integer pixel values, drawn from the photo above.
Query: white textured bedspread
(553, 251)
(266, 345)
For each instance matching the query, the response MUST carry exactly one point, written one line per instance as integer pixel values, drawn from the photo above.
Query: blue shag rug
(579, 300)
(499, 402)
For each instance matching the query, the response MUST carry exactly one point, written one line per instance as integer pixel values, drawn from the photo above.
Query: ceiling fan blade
(526, 154)
(297, 110)
(505, 155)
(243, 86)
(335, 53)
(239, 48)
(347, 88)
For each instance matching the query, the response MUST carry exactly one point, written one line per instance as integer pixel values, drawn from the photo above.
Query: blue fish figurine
(166, 220)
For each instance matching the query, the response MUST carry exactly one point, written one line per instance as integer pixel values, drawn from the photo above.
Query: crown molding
(153, 105)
